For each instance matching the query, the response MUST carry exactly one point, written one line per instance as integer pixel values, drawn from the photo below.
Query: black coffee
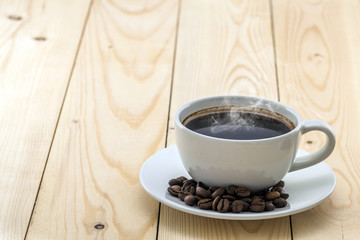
(238, 123)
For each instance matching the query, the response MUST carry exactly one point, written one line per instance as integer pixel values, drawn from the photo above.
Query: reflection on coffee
(238, 123)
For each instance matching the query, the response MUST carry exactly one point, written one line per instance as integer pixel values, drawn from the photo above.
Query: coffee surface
(238, 124)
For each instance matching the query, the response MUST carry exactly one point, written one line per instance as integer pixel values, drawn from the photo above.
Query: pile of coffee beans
(227, 199)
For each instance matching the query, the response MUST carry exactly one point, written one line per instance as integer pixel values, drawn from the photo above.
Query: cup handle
(310, 159)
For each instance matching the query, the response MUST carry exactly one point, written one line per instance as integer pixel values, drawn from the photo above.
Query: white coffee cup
(256, 164)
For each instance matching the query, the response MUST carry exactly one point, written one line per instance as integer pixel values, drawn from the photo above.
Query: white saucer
(307, 187)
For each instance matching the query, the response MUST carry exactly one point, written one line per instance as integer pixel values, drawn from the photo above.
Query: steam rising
(232, 123)
(236, 118)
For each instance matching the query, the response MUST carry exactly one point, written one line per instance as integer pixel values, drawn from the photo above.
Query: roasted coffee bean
(256, 198)
(174, 190)
(242, 192)
(218, 192)
(202, 192)
(229, 197)
(269, 206)
(277, 188)
(237, 206)
(281, 184)
(231, 189)
(189, 182)
(230, 206)
(182, 195)
(223, 205)
(272, 195)
(257, 205)
(182, 178)
(205, 203)
(190, 200)
(189, 188)
(175, 181)
(284, 195)
(213, 188)
(245, 206)
(215, 203)
(279, 202)
(257, 208)
(247, 200)
(257, 201)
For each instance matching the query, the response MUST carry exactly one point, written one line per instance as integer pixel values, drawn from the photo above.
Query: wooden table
(89, 90)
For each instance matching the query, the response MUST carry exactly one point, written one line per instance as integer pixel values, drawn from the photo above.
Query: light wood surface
(38, 44)
(318, 62)
(114, 117)
(89, 90)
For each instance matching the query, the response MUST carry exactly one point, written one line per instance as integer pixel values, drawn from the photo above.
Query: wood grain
(38, 44)
(114, 117)
(224, 47)
(318, 56)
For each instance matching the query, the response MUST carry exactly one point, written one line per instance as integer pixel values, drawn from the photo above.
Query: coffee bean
(237, 206)
(269, 206)
(231, 189)
(223, 205)
(174, 190)
(215, 203)
(218, 192)
(213, 188)
(256, 198)
(272, 195)
(229, 197)
(284, 195)
(279, 202)
(189, 182)
(245, 206)
(257, 208)
(242, 192)
(230, 206)
(189, 188)
(281, 184)
(182, 195)
(257, 205)
(182, 179)
(205, 203)
(202, 192)
(190, 200)
(175, 181)
(247, 200)
(277, 188)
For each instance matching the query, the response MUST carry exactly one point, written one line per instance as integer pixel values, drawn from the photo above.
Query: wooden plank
(114, 117)
(224, 47)
(38, 44)
(318, 50)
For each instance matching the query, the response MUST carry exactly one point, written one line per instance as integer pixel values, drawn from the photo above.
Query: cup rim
(283, 106)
